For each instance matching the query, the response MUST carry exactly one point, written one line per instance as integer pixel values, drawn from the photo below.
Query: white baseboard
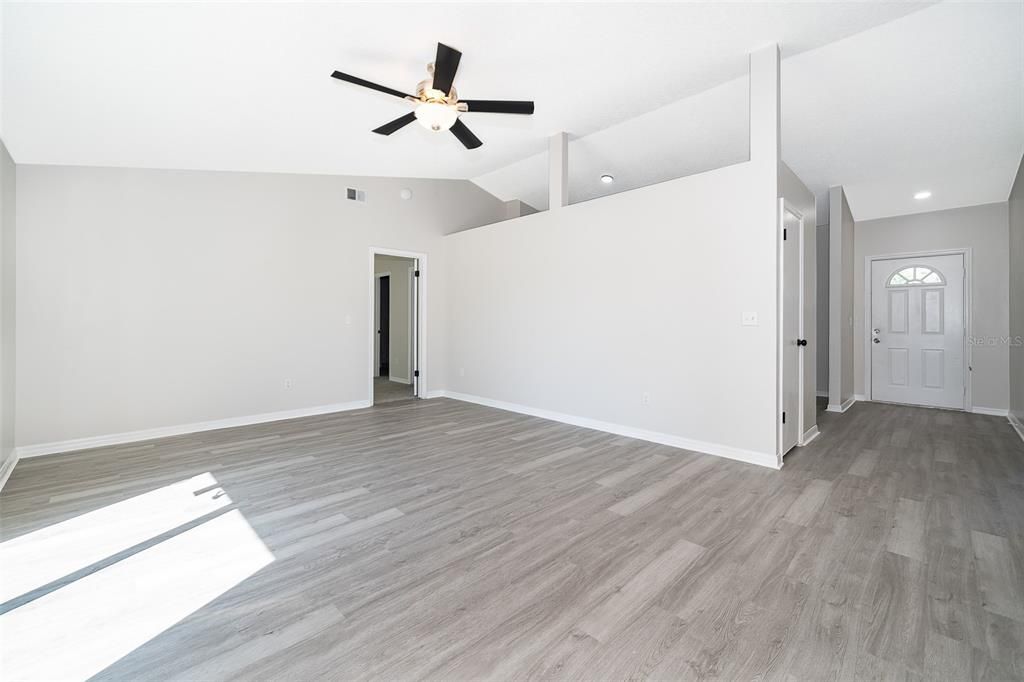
(832, 407)
(809, 435)
(398, 380)
(993, 411)
(1016, 423)
(859, 397)
(729, 452)
(164, 431)
(8, 469)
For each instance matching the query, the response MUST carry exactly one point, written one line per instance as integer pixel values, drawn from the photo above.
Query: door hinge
(416, 273)
(415, 372)
(783, 417)
(801, 342)
(783, 234)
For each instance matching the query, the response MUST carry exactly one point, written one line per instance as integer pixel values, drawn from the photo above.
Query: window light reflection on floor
(81, 628)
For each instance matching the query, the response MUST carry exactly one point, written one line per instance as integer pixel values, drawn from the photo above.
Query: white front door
(917, 331)
(790, 332)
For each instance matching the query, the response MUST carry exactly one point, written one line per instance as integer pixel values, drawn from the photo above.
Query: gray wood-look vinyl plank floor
(443, 540)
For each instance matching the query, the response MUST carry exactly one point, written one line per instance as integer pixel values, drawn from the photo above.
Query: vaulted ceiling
(874, 93)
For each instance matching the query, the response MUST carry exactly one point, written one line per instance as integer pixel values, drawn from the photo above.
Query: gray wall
(7, 311)
(1016, 249)
(841, 299)
(984, 230)
(823, 302)
(154, 299)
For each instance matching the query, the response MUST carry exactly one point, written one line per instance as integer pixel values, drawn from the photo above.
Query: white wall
(399, 338)
(8, 195)
(1016, 249)
(841, 300)
(150, 299)
(980, 228)
(583, 310)
(798, 196)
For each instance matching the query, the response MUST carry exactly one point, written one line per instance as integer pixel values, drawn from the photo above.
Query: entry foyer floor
(438, 539)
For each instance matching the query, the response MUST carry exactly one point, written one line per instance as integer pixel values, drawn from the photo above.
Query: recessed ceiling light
(607, 179)
(922, 195)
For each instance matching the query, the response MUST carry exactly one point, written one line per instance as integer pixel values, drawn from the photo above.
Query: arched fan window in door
(915, 275)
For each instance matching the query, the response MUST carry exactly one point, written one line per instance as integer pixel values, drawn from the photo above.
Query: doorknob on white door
(876, 340)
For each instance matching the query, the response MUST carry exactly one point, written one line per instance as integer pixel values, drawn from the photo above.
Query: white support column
(765, 106)
(558, 171)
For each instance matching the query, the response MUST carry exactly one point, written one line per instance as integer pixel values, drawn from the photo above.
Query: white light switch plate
(749, 319)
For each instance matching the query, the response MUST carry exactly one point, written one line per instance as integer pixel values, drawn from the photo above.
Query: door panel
(899, 322)
(790, 332)
(917, 331)
(899, 366)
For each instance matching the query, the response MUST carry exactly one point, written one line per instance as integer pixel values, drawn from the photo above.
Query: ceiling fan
(437, 103)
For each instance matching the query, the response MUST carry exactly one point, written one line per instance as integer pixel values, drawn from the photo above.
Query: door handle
(876, 340)
(801, 342)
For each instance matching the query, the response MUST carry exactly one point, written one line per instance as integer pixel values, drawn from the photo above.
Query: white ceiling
(930, 101)
(246, 86)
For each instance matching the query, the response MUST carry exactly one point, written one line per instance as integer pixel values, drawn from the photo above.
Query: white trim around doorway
(421, 326)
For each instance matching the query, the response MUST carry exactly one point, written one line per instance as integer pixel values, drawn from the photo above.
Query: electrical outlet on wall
(645, 398)
(288, 383)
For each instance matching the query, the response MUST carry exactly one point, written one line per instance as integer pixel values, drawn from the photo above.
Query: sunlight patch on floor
(48, 554)
(85, 626)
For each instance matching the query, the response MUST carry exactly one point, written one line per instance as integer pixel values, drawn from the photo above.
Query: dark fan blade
(446, 63)
(399, 122)
(465, 135)
(498, 106)
(367, 84)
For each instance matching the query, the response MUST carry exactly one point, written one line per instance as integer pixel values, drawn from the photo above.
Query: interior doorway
(917, 333)
(791, 384)
(396, 327)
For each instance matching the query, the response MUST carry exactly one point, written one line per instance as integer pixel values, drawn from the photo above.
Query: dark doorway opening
(384, 324)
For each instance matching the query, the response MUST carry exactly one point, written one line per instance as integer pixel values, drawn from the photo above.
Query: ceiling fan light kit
(437, 105)
(436, 116)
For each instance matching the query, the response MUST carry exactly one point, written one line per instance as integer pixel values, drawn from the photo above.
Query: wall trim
(764, 459)
(13, 462)
(993, 411)
(75, 444)
(809, 435)
(1016, 424)
(844, 407)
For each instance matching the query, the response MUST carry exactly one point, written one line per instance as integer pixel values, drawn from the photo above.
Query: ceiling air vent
(353, 194)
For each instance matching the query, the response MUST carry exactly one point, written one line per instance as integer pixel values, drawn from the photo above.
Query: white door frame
(420, 343)
(787, 207)
(966, 252)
